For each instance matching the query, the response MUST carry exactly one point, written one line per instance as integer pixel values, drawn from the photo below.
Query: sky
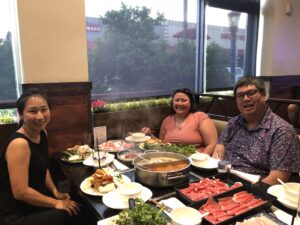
(172, 9)
(4, 18)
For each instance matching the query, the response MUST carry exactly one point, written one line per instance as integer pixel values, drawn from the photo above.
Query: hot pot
(165, 178)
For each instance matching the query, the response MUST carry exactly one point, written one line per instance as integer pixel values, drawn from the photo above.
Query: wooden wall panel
(282, 86)
(70, 113)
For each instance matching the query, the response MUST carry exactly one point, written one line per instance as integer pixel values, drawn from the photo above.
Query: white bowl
(130, 190)
(292, 192)
(138, 136)
(200, 156)
(185, 215)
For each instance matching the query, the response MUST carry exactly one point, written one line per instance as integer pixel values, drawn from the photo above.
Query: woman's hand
(146, 130)
(72, 207)
(61, 196)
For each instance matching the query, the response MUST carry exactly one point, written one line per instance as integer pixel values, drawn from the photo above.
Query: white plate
(129, 139)
(93, 191)
(108, 221)
(277, 191)
(211, 163)
(114, 200)
(109, 158)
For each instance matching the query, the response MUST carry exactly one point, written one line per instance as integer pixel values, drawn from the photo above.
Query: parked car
(239, 72)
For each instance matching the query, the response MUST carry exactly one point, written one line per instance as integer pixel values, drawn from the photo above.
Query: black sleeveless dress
(10, 208)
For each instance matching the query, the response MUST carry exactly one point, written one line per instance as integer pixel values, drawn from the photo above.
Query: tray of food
(232, 207)
(208, 187)
(102, 182)
(76, 154)
(115, 145)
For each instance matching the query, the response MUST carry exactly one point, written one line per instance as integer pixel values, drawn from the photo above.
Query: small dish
(199, 157)
(113, 199)
(185, 215)
(277, 191)
(209, 164)
(138, 136)
(129, 155)
(130, 139)
(130, 190)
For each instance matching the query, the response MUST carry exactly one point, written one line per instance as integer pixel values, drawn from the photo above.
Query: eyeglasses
(240, 96)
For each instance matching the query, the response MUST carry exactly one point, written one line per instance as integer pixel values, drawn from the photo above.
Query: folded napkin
(120, 166)
(247, 176)
(283, 216)
(173, 203)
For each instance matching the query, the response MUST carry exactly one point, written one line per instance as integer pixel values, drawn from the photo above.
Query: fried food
(101, 178)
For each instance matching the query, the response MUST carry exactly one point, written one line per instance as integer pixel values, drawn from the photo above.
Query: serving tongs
(161, 205)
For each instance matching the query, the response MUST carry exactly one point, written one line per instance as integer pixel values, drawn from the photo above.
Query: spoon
(204, 214)
(147, 160)
(283, 184)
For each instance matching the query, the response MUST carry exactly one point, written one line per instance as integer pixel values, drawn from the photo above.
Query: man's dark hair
(248, 80)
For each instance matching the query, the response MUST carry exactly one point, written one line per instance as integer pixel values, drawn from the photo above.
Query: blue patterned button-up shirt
(272, 145)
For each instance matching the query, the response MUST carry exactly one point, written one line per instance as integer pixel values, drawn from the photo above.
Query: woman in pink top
(187, 126)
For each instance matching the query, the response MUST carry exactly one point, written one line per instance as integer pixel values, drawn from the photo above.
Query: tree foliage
(217, 60)
(131, 57)
(8, 83)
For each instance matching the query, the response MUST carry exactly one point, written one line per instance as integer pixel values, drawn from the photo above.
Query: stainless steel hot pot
(161, 178)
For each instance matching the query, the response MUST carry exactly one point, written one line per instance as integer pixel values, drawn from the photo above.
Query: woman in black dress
(27, 192)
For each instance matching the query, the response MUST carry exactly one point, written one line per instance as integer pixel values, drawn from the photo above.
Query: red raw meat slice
(211, 219)
(260, 202)
(245, 199)
(225, 201)
(236, 185)
(229, 206)
(210, 203)
(237, 209)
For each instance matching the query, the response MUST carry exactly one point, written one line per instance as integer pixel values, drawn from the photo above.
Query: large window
(8, 85)
(141, 48)
(229, 43)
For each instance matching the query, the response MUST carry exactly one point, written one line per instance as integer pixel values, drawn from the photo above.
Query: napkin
(283, 216)
(120, 166)
(172, 203)
(247, 176)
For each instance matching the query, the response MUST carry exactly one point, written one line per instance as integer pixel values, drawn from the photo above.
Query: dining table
(96, 210)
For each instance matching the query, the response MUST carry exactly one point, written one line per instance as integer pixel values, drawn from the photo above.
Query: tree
(8, 83)
(126, 58)
(216, 61)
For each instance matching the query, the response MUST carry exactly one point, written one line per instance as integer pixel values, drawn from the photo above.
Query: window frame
(252, 8)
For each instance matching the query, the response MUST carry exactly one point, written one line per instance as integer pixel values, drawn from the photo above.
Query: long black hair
(22, 100)
(188, 93)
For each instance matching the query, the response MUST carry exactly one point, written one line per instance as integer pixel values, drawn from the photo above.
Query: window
(141, 48)
(8, 85)
(229, 42)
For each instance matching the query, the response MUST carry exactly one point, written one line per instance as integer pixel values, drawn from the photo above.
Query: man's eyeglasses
(240, 96)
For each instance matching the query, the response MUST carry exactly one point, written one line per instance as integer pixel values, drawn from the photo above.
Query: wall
(281, 35)
(53, 40)
(54, 59)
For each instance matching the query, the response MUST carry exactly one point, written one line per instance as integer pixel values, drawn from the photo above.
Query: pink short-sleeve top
(189, 133)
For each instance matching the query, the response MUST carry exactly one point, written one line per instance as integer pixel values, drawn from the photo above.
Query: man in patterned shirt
(258, 141)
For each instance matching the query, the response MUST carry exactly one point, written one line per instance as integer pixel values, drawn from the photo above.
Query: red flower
(97, 105)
